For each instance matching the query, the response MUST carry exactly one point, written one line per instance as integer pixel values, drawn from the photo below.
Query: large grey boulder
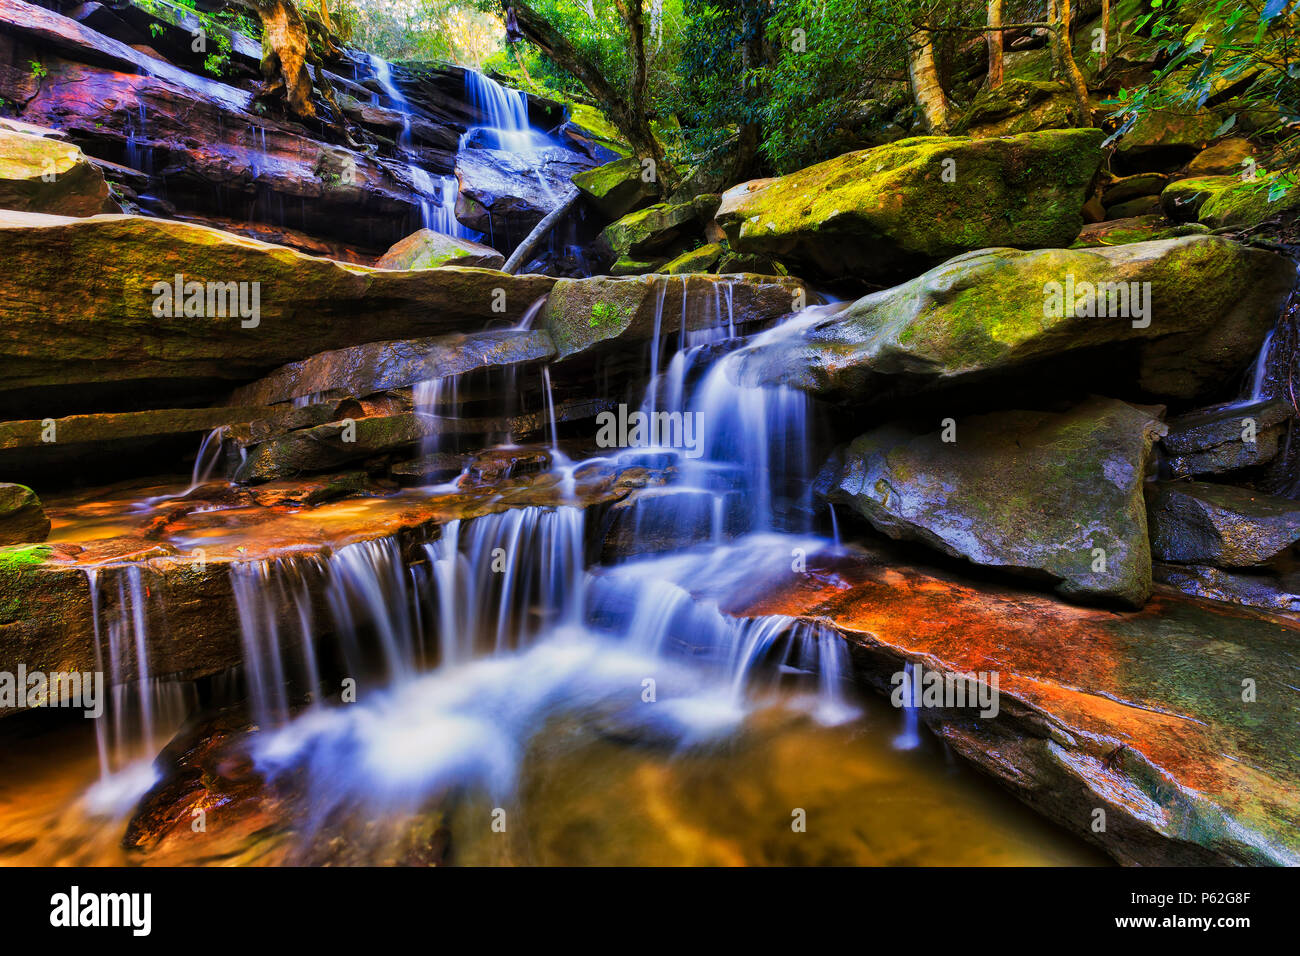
(1054, 496)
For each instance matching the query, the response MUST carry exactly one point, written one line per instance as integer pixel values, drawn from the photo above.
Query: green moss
(1243, 204)
(15, 560)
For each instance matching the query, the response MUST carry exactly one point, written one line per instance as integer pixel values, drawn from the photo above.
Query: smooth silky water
(523, 706)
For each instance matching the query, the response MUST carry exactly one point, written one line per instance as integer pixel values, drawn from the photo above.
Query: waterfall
(143, 709)
(505, 115)
(910, 737)
(437, 198)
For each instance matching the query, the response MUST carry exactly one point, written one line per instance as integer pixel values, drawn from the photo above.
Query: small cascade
(138, 155)
(502, 579)
(433, 397)
(370, 595)
(263, 591)
(505, 114)
(910, 737)
(1259, 377)
(142, 709)
(437, 198)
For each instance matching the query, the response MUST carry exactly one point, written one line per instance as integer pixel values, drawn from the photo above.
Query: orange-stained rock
(1138, 714)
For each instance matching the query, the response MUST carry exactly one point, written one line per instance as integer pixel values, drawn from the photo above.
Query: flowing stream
(607, 712)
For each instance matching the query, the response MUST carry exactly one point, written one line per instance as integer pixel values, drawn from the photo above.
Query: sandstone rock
(1053, 495)
(22, 517)
(1183, 198)
(1225, 156)
(1167, 137)
(108, 444)
(582, 314)
(504, 195)
(992, 311)
(1018, 106)
(656, 230)
(1139, 206)
(1261, 589)
(698, 260)
(41, 174)
(102, 278)
(1244, 204)
(427, 249)
(1133, 187)
(1217, 440)
(364, 369)
(1196, 522)
(617, 188)
(1118, 232)
(882, 213)
(1133, 713)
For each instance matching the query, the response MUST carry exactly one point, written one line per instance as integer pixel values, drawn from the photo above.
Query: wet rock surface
(1139, 713)
(1069, 508)
(1195, 522)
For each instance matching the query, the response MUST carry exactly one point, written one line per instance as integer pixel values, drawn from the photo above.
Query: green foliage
(451, 31)
(217, 27)
(1239, 55)
(38, 69)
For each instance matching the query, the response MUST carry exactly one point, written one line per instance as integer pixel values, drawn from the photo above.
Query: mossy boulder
(1018, 106)
(604, 312)
(1226, 156)
(22, 517)
(999, 310)
(1246, 203)
(43, 174)
(1183, 198)
(1167, 138)
(1053, 496)
(698, 260)
(1195, 522)
(426, 249)
(1118, 232)
(890, 211)
(658, 229)
(617, 188)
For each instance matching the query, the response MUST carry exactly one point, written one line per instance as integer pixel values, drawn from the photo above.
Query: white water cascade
(437, 196)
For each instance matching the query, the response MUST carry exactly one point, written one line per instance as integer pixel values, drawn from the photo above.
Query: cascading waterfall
(437, 198)
(142, 708)
(505, 114)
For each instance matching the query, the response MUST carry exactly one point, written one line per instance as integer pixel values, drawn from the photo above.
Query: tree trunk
(627, 112)
(926, 88)
(1069, 68)
(534, 238)
(1105, 35)
(284, 55)
(995, 44)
